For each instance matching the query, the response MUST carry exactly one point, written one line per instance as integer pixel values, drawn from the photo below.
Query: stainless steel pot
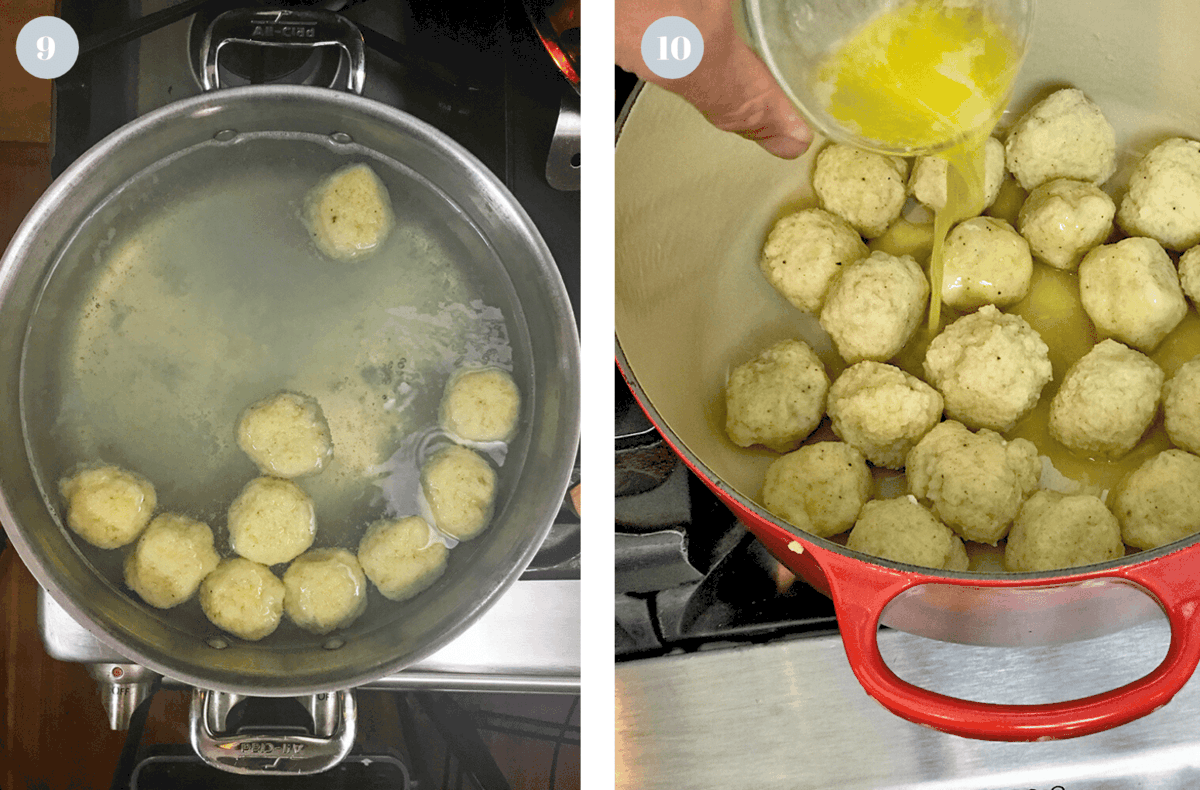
(693, 206)
(385, 639)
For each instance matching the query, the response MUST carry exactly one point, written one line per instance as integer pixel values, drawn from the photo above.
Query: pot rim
(569, 421)
(863, 587)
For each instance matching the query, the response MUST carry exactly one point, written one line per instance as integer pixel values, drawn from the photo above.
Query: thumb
(736, 93)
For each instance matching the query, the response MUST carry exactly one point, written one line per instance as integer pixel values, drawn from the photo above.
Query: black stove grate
(689, 576)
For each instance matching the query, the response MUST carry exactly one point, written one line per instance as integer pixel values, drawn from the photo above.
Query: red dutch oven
(693, 206)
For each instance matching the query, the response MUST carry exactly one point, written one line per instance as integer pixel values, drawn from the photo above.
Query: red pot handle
(860, 596)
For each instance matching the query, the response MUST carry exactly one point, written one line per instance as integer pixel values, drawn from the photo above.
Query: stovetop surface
(792, 714)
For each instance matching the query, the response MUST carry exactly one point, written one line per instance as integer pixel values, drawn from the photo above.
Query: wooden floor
(53, 730)
(49, 703)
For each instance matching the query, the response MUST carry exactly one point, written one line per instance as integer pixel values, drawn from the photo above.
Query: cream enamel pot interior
(693, 206)
(386, 638)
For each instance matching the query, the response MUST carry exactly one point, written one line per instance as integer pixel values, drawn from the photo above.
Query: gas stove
(689, 576)
(482, 78)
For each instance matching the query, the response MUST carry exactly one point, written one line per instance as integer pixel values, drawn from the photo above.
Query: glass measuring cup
(795, 37)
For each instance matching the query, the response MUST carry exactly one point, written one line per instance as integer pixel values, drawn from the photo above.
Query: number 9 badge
(47, 47)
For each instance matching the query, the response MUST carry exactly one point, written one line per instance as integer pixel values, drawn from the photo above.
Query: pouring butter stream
(930, 75)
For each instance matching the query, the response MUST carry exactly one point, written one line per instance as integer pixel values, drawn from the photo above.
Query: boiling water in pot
(195, 290)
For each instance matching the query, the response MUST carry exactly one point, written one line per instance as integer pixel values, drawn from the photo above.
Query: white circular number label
(672, 47)
(47, 47)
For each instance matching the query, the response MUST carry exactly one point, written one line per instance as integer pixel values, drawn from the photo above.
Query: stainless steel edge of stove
(791, 714)
(500, 652)
(416, 680)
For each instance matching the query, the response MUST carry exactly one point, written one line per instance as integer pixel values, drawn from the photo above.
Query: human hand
(731, 86)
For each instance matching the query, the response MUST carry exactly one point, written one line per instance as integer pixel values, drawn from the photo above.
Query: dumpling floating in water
(402, 556)
(108, 506)
(349, 214)
(481, 405)
(285, 435)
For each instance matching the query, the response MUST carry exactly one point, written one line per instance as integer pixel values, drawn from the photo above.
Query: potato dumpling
(481, 405)
(1131, 292)
(874, 306)
(402, 557)
(349, 214)
(985, 262)
(975, 481)
(285, 435)
(777, 398)
(271, 521)
(901, 530)
(1159, 502)
(882, 411)
(990, 367)
(243, 598)
(170, 560)
(326, 589)
(108, 506)
(1163, 201)
(1063, 136)
(818, 488)
(460, 486)
(1063, 219)
(1189, 274)
(1106, 401)
(804, 251)
(865, 189)
(928, 181)
(1054, 530)
(1181, 406)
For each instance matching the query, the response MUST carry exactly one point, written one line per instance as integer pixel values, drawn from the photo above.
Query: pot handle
(283, 28)
(860, 597)
(334, 716)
